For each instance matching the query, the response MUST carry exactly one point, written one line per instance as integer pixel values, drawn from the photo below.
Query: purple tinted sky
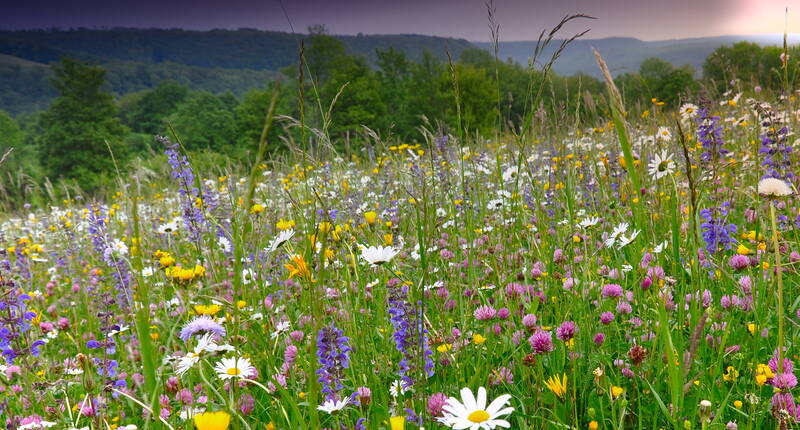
(519, 19)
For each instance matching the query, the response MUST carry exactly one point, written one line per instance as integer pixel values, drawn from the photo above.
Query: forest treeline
(344, 93)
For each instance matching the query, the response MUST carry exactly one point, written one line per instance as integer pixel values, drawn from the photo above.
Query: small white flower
(281, 327)
(377, 255)
(664, 134)
(148, 271)
(397, 388)
(589, 222)
(119, 247)
(37, 425)
(626, 240)
(282, 237)
(494, 204)
(774, 187)
(688, 111)
(234, 367)
(169, 227)
(248, 276)
(225, 244)
(661, 165)
(121, 329)
(660, 247)
(473, 414)
(331, 405)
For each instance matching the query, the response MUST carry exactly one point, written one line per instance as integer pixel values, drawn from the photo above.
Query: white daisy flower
(626, 240)
(281, 327)
(397, 388)
(234, 367)
(473, 414)
(225, 244)
(661, 165)
(248, 276)
(688, 111)
(167, 228)
(589, 222)
(148, 271)
(119, 247)
(282, 237)
(660, 247)
(664, 134)
(616, 233)
(330, 406)
(187, 362)
(377, 255)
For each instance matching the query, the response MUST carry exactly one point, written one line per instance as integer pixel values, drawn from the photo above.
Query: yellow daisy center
(478, 416)
(233, 371)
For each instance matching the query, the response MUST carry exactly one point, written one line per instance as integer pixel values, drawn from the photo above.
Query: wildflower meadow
(637, 274)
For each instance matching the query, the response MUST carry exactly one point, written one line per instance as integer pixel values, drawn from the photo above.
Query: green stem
(779, 275)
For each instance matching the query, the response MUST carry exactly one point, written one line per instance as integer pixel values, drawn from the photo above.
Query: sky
(518, 19)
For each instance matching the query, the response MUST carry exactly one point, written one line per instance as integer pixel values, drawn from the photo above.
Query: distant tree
(359, 102)
(205, 121)
(323, 54)
(655, 68)
(80, 126)
(10, 133)
(478, 97)
(395, 78)
(743, 60)
(250, 116)
(676, 85)
(148, 113)
(430, 96)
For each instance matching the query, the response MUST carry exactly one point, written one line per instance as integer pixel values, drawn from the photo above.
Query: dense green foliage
(81, 126)
(216, 61)
(751, 63)
(345, 95)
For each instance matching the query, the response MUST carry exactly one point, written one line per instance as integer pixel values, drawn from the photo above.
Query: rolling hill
(624, 54)
(135, 59)
(237, 60)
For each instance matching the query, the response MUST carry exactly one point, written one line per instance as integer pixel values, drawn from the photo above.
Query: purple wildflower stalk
(709, 133)
(410, 336)
(182, 172)
(333, 355)
(718, 234)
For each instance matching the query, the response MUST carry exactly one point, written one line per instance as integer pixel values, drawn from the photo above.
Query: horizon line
(361, 34)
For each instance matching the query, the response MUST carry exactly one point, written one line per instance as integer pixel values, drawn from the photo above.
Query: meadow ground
(581, 279)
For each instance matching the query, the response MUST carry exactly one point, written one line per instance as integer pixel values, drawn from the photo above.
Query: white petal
(468, 398)
(498, 403)
(481, 399)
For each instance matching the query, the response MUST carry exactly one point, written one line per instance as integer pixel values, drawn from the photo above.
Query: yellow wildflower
(557, 385)
(212, 420)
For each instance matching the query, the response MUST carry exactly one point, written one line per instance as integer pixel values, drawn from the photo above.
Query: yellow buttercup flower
(763, 373)
(212, 420)
(210, 310)
(731, 374)
(370, 217)
(445, 347)
(257, 209)
(184, 276)
(557, 385)
(616, 391)
(398, 423)
(477, 339)
(284, 225)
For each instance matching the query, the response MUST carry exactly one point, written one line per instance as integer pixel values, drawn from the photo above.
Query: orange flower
(298, 267)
